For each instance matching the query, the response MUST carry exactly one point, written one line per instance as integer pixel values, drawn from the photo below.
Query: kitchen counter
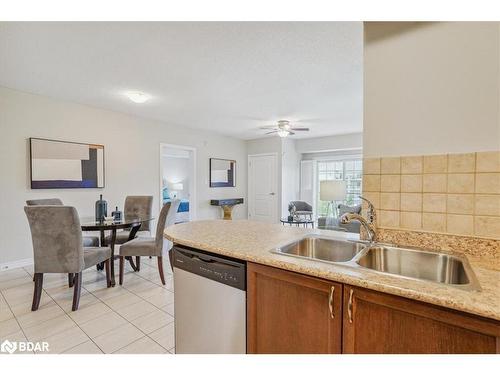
(252, 241)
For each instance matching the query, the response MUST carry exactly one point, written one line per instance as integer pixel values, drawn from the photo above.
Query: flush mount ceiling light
(137, 96)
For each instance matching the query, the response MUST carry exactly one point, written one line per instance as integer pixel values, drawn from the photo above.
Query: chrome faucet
(368, 224)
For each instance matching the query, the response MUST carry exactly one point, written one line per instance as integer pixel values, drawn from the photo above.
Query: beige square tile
(487, 205)
(460, 204)
(89, 312)
(158, 296)
(411, 202)
(164, 336)
(123, 300)
(390, 201)
(103, 324)
(371, 166)
(412, 164)
(152, 321)
(5, 313)
(435, 183)
(169, 309)
(13, 283)
(8, 327)
(44, 313)
(371, 182)
(461, 183)
(488, 161)
(390, 165)
(390, 183)
(459, 224)
(49, 328)
(68, 339)
(88, 347)
(118, 338)
(388, 219)
(411, 183)
(144, 345)
(434, 202)
(434, 222)
(487, 226)
(488, 183)
(461, 163)
(435, 163)
(411, 220)
(136, 310)
(372, 197)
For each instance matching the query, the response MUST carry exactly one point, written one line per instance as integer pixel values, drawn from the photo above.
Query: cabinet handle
(330, 301)
(349, 305)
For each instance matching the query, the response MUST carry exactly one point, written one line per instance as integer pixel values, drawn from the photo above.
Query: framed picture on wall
(65, 165)
(222, 173)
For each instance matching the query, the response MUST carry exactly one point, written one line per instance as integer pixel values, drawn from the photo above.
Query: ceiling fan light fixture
(137, 96)
(283, 133)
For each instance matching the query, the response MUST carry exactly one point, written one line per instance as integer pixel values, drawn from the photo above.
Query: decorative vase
(117, 215)
(101, 209)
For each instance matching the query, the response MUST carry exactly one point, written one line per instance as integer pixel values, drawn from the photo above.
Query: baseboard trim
(16, 264)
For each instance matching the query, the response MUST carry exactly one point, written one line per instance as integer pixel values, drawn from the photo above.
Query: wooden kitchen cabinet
(292, 313)
(380, 323)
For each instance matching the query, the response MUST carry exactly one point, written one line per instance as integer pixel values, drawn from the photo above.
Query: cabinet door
(380, 323)
(292, 313)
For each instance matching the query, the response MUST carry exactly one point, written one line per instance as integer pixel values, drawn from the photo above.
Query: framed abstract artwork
(222, 173)
(65, 165)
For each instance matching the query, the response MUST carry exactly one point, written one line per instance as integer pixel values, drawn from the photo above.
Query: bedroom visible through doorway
(177, 166)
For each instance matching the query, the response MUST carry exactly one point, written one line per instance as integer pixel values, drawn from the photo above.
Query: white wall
(290, 174)
(430, 88)
(131, 160)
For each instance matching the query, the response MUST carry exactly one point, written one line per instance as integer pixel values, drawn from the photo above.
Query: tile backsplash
(452, 194)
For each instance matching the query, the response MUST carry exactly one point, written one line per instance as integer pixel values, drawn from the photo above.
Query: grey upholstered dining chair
(88, 241)
(135, 206)
(149, 246)
(57, 248)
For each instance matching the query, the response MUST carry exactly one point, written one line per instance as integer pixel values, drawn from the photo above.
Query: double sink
(404, 262)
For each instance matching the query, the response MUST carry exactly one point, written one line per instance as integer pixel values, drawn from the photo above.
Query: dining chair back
(139, 206)
(57, 239)
(88, 241)
(44, 202)
(56, 235)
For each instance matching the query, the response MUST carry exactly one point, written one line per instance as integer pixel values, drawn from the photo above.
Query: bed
(183, 210)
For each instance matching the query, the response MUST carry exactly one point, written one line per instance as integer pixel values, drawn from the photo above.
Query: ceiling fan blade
(274, 131)
(291, 133)
(268, 127)
(300, 129)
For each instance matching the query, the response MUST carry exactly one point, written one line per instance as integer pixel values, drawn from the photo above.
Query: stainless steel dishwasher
(209, 302)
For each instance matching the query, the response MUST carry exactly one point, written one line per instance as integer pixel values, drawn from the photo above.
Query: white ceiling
(229, 78)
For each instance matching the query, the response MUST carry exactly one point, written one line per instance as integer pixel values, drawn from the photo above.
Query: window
(349, 170)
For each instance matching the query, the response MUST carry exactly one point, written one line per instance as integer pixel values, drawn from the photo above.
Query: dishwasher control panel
(228, 271)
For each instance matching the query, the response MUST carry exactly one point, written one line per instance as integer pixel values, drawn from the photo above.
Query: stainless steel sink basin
(323, 249)
(418, 264)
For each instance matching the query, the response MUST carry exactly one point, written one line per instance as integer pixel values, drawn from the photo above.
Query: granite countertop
(252, 241)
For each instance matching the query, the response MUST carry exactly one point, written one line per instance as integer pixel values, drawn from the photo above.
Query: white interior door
(262, 188)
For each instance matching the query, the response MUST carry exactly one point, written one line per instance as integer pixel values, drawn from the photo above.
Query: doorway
(178, 179)
(263, 187)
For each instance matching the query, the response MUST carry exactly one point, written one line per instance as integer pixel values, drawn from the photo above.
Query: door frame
(276, 184)
(192, 184)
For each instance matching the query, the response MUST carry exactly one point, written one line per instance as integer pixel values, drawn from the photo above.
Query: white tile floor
(136, 317)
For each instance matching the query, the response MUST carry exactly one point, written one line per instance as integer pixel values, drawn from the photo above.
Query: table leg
(100, 266)
(112, 259)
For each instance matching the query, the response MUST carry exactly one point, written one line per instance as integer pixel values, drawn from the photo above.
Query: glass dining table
(131, 224)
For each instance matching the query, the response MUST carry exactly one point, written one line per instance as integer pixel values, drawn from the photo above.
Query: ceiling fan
(283, 128)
